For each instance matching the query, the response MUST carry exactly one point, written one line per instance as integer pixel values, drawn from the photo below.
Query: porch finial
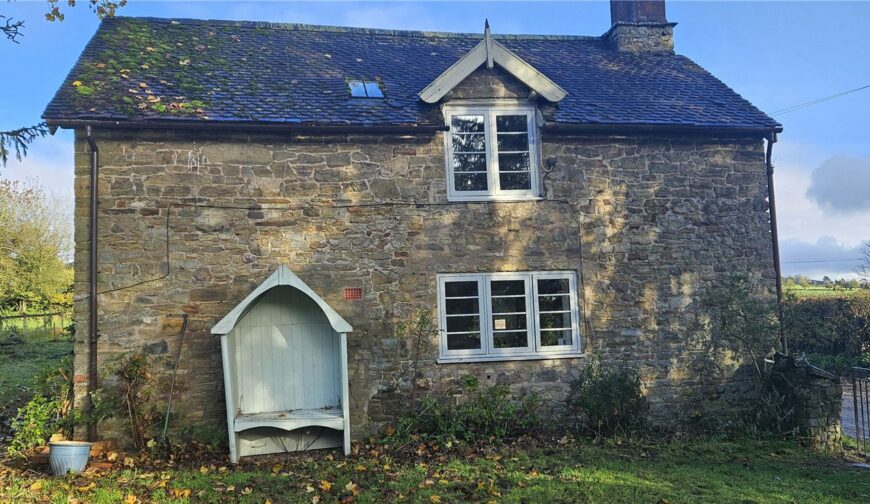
(487, 36)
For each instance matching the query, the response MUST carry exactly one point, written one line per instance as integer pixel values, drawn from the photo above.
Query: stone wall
(818, 401)
(649, 223)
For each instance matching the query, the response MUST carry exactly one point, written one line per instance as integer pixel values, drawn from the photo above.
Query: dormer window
(492, 153)
(365, 89)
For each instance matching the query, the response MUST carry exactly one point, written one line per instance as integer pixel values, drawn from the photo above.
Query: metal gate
(861, 408)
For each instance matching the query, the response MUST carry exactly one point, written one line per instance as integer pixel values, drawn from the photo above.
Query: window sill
(487, 199)
(509, 358)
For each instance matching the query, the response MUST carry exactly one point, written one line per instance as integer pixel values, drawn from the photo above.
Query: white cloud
(50, 161)
(806, 231)
(841, 185)
(50, 164)
(801, 218)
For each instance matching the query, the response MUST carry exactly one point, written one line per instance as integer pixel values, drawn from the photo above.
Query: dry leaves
(353, 488)
(180, 493)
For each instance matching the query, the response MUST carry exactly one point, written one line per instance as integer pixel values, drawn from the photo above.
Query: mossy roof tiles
(156, 70)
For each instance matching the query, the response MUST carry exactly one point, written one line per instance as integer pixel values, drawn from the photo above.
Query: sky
(775, 54)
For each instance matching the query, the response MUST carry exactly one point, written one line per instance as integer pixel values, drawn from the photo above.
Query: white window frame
(487, 350)
(490, 110)
(481, 310)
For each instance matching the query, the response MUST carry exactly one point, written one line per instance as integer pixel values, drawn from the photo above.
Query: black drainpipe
(774, 234)
(92, 278)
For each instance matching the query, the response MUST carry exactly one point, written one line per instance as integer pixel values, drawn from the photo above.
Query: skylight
(365, 89)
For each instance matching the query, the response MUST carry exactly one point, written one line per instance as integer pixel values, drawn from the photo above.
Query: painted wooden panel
(287, 355)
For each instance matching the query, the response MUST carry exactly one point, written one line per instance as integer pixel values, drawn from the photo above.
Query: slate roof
(146, 69)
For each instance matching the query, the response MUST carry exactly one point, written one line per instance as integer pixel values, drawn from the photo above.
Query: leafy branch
(11, 29)
(102, 8)
(19, 140)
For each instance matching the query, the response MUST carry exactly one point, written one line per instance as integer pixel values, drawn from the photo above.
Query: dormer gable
(489, 53)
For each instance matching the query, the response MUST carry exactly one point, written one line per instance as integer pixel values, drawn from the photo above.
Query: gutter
(408, 128)
(684, 130)
(774, 235)
(245, 126)
(92, 277)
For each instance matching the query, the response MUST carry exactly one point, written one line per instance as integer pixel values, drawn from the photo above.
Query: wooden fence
(33, 325)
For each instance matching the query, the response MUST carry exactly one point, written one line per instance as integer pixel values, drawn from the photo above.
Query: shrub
(839, 364)
(606, 402)
(50, 411)
(745, 322)
(33, 426)
(137, 378)
(486, 413)
(830, 326)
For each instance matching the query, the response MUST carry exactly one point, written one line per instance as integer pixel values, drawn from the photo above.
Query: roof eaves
(665, 129)
(261, 126)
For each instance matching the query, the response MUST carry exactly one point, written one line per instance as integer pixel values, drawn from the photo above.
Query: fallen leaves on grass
(353, 488)
(180, 493)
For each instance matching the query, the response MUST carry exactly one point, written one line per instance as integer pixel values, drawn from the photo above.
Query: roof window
(365, 89)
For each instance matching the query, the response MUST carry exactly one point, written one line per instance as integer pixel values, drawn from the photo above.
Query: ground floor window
(505, 316)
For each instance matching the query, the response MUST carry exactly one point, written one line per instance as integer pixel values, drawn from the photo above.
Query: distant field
(825, 292)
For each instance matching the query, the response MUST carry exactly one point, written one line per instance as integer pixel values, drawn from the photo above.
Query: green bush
(606, 402)
(829, 326)
(487, 413)
(33, 426)
(839, 364)
(50, 411)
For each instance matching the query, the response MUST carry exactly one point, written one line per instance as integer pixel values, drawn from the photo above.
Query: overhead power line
(821, 261)
(817, 101)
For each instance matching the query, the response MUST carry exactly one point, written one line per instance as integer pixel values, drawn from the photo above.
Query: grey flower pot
(68, 456)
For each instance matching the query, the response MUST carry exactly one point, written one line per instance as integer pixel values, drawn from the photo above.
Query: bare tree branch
(864, 266)
(11, 29)
(19, 140)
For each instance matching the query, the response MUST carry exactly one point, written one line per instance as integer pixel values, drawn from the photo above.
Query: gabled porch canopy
(281, 276)
(491, 52)
(284, 352)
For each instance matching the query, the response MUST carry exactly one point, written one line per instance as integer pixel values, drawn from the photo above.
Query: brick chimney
(640, 26)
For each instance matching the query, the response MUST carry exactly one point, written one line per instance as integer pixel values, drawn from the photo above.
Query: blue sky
(776, 54)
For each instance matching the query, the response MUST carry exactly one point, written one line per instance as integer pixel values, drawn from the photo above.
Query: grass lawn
(531, 470)
(704, 470)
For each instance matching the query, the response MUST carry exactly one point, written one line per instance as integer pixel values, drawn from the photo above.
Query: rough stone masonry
(649, 223)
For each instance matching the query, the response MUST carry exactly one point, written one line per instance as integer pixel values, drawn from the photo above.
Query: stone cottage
(543, 198)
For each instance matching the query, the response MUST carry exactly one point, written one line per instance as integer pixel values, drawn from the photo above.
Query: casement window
(492, 153)
(506, 316)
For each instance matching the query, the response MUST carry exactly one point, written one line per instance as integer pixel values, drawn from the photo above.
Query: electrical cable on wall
(415, 204)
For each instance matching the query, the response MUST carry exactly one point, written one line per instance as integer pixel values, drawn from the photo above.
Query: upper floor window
(492, 153)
